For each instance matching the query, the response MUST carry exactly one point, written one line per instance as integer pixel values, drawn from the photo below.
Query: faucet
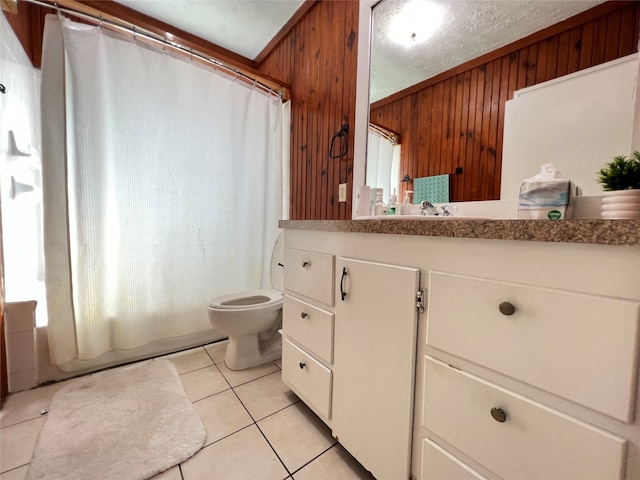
(427, 208)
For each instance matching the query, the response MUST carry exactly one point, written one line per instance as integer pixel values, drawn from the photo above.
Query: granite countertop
(606, 232)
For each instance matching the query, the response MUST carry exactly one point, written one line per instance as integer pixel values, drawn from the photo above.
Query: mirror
(468, 30)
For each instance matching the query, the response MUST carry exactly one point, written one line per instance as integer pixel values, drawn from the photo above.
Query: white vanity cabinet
(307, 325)
(525, 364)
(530, 382)
(351, 357)
(375, 345)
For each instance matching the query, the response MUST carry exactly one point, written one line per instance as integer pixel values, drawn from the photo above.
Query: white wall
(20, 113)
(21, 217)
(577, 122)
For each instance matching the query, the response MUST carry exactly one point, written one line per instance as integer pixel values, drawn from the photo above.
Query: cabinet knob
(302, 365)
(507, 308)
(498, 415)
(305, 264)
(304, 315)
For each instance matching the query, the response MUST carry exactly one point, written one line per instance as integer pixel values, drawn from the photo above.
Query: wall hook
(13, 147)
(2, 88)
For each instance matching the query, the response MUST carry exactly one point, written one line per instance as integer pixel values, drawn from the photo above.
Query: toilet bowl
(252, 319)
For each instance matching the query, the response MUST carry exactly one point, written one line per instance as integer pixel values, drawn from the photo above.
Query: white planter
(621, 204)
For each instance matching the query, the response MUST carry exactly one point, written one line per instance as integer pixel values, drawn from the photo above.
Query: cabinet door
(374, 364)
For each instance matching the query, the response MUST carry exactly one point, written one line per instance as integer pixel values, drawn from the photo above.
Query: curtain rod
(115, 24)
(393, 137)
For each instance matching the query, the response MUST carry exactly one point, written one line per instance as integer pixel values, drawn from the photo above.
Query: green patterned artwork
(432, 189)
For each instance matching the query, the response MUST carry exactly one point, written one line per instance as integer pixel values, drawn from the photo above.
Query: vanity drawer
(438, 464)
(309, 274)
(580, 347)
(533, 442)
(307, 377)
(310, 326)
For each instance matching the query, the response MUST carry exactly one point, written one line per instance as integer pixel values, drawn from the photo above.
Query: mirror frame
(362, 108)
(361, 129)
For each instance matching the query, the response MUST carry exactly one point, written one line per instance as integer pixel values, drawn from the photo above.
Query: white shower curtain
(383, 163)
(163, 186)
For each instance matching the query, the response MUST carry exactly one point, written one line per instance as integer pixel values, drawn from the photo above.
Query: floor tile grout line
(257, 378)
(226, 436)
(255, 422)
(266, 416)
(274, 450)
(24, 421)
(316, 457)
(15, 468)
(230, 386)
(279, 410)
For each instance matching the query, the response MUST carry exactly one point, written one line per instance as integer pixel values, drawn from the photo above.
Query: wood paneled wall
(28, 26)
(457, 119)
(318, 59)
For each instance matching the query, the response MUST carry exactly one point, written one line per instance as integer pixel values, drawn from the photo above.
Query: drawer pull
(498, 415)
(342, 292)
(304, 315)
(302, 365)
(306, 264)
(507, 308)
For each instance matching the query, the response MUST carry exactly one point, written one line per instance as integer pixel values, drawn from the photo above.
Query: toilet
(252, 319)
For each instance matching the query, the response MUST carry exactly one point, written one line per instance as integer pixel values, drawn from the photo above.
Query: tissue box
(551, 199)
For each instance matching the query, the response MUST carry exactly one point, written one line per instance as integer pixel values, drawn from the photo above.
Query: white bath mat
(128, 423)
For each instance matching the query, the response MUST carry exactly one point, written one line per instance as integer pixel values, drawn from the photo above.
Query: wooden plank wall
(457, 119)
(318, 59)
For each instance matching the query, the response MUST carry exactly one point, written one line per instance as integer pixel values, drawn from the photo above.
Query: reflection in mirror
(446, 96)
(383, 161)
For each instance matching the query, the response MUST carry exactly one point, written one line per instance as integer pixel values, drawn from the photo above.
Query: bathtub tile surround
(256, 427)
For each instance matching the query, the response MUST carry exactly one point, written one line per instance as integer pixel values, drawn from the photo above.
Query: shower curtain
(162, 184)
(383, 164)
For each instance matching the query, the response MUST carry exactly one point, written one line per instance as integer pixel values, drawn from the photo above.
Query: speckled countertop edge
(605, 232)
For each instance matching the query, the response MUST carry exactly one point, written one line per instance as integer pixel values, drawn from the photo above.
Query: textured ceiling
(242, 26)
(470, 28)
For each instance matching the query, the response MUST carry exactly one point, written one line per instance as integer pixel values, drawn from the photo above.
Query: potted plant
(620, 179)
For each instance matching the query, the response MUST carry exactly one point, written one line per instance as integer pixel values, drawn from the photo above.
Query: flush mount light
(416, 22)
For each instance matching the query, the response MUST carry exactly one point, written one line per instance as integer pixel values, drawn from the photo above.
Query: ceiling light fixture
(416, 22)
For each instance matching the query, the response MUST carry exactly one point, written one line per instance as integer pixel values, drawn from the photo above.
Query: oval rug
(130, 422)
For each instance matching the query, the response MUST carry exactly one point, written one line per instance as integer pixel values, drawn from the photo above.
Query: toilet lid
(277, 262)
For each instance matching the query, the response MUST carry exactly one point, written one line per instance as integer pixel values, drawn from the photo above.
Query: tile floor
(257, 428)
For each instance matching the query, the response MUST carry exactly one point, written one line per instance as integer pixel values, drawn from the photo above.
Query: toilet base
(245, 351)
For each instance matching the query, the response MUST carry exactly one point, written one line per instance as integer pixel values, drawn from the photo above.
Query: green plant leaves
(621, 174)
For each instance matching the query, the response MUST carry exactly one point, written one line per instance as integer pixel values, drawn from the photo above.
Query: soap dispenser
(394, 206)
(393, 198)
(406, 203)
(378, 207)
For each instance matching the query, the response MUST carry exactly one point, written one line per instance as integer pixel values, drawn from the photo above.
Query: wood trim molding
(31, 27)
(130, 16)
(284, 31)
(569, 23)
(10, 6)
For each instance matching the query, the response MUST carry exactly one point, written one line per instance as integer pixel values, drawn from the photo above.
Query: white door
(374, 364)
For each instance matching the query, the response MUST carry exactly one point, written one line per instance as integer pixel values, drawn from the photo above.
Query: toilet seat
(256, 299)
(247, 300)
(252, 319)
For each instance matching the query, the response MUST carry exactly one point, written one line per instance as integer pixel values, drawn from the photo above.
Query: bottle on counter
(406, 203)
(378, 207)
(394, 207)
